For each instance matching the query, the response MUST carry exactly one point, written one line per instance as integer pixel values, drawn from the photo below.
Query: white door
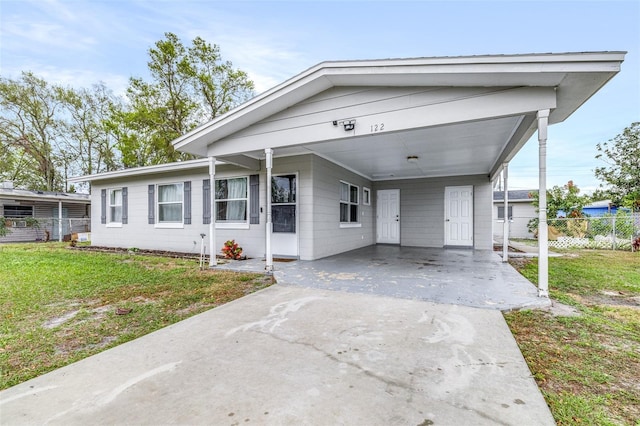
(458, 216)
(284, 215)
(388, 216)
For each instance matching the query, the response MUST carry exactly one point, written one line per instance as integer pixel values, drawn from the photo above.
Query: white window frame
(501, 219)
(169, 225)
(110, 222)
(232, 225)
(366, 196)
(350, 203)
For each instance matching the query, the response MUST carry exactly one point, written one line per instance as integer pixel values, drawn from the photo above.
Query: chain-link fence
(620, 231)
(44, 229)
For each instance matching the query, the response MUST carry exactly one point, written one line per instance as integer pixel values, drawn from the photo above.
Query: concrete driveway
(291, 355)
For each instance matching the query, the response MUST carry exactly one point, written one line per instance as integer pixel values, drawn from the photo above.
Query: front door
(388, 216)
(458, 216)
(284, 238)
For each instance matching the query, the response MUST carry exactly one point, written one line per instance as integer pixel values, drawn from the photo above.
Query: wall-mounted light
(412, 159)
(348, 124)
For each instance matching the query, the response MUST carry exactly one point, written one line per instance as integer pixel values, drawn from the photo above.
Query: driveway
(293, 355)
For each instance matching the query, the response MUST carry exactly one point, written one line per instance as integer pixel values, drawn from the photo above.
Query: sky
(82, 42)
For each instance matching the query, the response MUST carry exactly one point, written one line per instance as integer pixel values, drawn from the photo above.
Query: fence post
(613, 227)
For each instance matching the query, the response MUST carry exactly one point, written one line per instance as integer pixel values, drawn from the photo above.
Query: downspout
(213, 261)
(269, 228)
(543, 232)
(505, 228)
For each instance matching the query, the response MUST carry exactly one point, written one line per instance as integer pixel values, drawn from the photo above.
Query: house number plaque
(378, 127)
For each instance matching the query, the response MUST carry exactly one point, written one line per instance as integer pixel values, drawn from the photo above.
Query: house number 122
(377, 127)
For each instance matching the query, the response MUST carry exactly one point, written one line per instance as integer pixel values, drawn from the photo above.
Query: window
(501, 212)
(231, 200)
(170, 203)
(366, 196)
(115, 206)
(348, 203)
(283, 203)
(18, 211)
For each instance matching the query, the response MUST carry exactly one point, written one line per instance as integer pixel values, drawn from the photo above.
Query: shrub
(231, 250)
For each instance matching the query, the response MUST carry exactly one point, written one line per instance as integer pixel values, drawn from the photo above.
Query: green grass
(40, 283)
(586, 366)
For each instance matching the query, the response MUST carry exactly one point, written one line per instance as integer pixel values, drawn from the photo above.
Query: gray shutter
(254, 199)
(206, 201)
(187, 202)
(152, 204)
(103, 206)
(125, 206)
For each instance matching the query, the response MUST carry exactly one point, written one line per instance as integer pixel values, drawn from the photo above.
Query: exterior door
(284, 215)
(458, 216)
(388, 216)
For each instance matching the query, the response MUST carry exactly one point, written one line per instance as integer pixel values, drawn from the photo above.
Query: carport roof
(574, 78)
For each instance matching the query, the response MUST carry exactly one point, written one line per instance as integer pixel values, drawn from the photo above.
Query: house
(41, 215)
(520, 211)
(352, 153)
(599, 208)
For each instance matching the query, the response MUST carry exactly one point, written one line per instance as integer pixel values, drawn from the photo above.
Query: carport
(420, 140)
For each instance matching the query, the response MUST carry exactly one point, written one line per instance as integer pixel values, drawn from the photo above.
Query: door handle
(447, 220)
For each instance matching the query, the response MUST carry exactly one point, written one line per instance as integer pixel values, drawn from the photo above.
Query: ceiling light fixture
(412, 159)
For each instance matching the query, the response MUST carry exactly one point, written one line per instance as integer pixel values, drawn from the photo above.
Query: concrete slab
(476, 278)
(289, 355)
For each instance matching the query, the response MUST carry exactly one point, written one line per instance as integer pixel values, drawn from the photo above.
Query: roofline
(327, 69)
(136, 171)
(64, 197)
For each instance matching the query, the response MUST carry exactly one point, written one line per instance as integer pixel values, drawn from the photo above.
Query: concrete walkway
(293, 355)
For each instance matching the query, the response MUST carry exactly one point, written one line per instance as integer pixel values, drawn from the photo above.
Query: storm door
(284, 207)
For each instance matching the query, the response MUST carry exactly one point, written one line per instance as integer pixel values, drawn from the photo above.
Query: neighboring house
(600, 208)
(349, 154)
(41, 215)
(521, 211)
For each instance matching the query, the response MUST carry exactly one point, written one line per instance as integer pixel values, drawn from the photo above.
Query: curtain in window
(115, 206)
(231, 200)
(170, 203)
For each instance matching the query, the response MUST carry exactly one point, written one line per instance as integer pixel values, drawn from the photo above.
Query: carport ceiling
(466, 148)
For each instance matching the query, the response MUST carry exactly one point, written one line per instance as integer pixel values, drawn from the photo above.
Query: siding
(422, 209)
(522, 214)
(44, 212)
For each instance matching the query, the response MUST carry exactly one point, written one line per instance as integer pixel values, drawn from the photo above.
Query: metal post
(505, 228)
(60, 221)
(269, 228)
(543, 232)
(213, 261)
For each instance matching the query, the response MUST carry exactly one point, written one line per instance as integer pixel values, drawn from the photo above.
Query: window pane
(344, 212)
(170, 212)
(169, 193)
(115, 197)
(231, 211)
(284, 218)
(354, 194)
(18, 211)
(221, 189)
(283, 189)
(116, 214)
(344, 191)
(354, 214)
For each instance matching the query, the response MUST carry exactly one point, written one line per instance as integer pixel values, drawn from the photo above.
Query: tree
(622, 172)
(189, 85)
(29, 130)
(561, 200)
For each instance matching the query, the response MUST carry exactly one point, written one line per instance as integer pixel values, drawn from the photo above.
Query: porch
(475, 278)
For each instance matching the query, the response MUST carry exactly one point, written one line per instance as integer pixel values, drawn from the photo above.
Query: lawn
(588, 365)
(59, 305)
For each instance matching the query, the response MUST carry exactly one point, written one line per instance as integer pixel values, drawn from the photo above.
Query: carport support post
(505, 227)
(269, 228)
(213, 261)
(543, 234)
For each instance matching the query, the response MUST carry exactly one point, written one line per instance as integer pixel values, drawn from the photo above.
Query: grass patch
(59, 305)
(587, 365)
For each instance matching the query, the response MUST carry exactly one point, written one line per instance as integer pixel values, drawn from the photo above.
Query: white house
(352, 153)
(520, 211)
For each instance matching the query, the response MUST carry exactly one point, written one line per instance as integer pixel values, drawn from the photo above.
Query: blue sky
(79, 43)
